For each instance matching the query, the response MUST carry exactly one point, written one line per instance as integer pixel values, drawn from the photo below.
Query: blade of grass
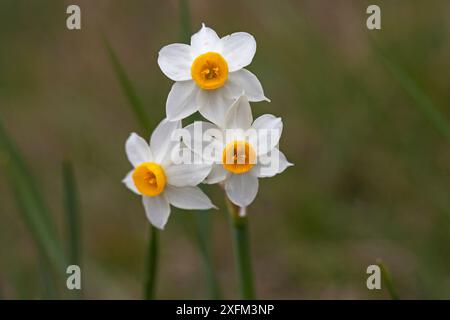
(49, 287)
(72, 208)
(387, 280)
(31, 204)
(422, 101)
(127, 87)
(72, 213)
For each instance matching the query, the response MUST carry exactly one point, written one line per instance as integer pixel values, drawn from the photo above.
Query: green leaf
(72, 207)
(30, 203)
(387, 280)
(127, 87)
(422, 101)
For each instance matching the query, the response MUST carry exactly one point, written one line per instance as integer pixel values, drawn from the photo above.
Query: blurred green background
(372, 164)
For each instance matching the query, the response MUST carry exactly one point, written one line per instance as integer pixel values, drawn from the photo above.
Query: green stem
(152, 266)
(241, 245)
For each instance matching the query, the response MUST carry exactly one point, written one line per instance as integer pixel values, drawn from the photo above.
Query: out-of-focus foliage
(372, 172)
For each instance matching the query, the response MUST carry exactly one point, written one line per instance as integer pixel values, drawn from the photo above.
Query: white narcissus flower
(244, 150)
(159, 180)
(209, 74)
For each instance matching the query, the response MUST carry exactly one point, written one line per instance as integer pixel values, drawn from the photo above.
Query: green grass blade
(49, 291)
(387, 280)
(422, 101)
(31, 203)
(127, 87)
(72, 208)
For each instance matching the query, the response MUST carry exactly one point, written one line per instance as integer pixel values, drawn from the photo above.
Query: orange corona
(238, 157)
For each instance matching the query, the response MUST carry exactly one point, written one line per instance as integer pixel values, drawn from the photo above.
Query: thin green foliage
(127, 87)
(422, 101)
(72, 207)
(31, 204)
(387, 280)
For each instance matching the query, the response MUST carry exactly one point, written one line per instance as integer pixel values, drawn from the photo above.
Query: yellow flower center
(238, 157)
(149, 179)
(209, 70)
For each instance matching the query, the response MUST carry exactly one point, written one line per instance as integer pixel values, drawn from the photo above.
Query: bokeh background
(371, 175)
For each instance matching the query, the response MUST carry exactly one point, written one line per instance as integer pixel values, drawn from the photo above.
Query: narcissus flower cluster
(231, 150)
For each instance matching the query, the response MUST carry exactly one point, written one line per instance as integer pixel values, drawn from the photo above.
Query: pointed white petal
(244, 80)
(217, 174)
(214, 105)
(239, 116)
(270, 164)
(137, 150)
(268, 129)
(241, 189)
(186, 174)
(129, 183)
(163, 139)
(238, 49)
(175, 61)
(182, 100)
(188, 198)
(205, 139)
(157, 210)
(205, 40)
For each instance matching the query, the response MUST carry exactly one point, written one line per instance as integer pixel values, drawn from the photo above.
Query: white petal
(163, 139)
(205, 139)
(188, 198)
(268, 129)
(137, 150)
(186, 174)
(270, 164)
(214, 105)
(129, 183)
(239, 116)
(241, 189)
(157, 210)
(245, 81)
(182, 101)
(238, 49)
(217, 174)
(175, 61)
(205, 40)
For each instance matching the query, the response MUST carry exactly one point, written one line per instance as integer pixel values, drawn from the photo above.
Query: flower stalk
(151, 265)
(241, 245)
